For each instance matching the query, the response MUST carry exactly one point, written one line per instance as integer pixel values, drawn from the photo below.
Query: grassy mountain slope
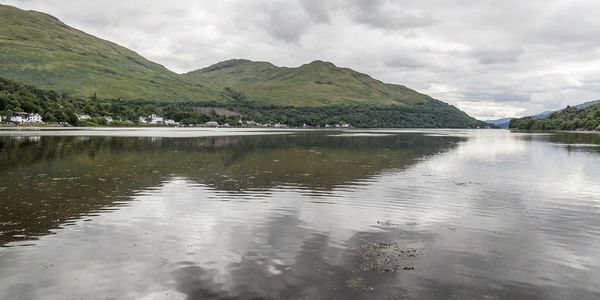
(320, 92)
(38, 49)
(570, 118)
(315, 84)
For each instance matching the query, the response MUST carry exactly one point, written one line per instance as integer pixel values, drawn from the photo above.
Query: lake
(299, 214)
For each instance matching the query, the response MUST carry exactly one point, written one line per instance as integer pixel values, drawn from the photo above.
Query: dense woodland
(55, 107)
(570, 118)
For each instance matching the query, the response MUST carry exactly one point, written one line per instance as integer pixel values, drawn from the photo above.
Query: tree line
(61, 107)
(570, 118)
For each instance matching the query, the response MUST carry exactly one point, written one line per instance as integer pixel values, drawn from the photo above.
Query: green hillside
(315, 84)
(570, 118)
(321, 93)
(38, 49)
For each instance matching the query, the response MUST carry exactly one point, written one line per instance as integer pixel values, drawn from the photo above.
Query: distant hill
(501, 123)
(315, 84)
(39, 50)
(586, 104)
(571, 118)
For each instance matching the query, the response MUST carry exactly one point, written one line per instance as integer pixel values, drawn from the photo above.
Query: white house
(346, 126)
(212, 124)
(83, 117)
(22, 117)
(155, 119)
(142, 120)
(171, 122)
(108, 119)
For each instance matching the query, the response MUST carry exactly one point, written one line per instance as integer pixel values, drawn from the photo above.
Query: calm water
(215, 214)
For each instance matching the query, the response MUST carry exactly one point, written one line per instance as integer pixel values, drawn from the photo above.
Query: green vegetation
(54, 107)
(433, 115)
(315, 84)
(38, 49)
(570, 118)
(66, 66)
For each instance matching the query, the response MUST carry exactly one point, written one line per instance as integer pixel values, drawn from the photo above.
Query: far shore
(55, 126)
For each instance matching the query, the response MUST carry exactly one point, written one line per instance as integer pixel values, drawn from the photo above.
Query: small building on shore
(170, 122)
(23, 117)
(212, 124)
(156, 119)
(151, 119)
(83, 117)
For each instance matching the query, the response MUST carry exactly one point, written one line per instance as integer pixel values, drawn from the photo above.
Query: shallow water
(228, 214)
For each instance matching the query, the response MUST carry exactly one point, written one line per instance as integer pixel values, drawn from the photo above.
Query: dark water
(304, 215)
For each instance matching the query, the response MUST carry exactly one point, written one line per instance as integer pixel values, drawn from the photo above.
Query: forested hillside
(570, 118)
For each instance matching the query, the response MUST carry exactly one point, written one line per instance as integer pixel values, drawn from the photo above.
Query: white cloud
(493, 58)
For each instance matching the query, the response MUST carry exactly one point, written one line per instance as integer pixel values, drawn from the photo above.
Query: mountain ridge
(38, 49)
(322, 82)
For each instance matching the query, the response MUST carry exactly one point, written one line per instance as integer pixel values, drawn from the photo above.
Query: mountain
(586, 104)
(504, 123)
(315, 84)
(571, 118)
(38, 49)
(322, 88)
(501, 123)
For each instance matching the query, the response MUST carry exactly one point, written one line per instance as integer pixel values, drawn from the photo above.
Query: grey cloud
(497, 55)
(495, 95)
(285, 21)
(317, 10)
(285, 25)
(387, 15)
(402, 60)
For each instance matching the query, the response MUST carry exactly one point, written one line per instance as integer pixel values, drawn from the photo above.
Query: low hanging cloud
(387, 15)
(490, 58)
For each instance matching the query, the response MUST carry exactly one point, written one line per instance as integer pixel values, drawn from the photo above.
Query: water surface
(213, 214)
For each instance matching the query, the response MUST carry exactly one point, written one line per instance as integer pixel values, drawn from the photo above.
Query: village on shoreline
(35, 120)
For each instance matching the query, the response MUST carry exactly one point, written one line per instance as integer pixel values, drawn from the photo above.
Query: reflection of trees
(48, 181)
(577, 138)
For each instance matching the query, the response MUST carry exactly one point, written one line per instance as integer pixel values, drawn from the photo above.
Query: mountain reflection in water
(307, 215)
(61, 178)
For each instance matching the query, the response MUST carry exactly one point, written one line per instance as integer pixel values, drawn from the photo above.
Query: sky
(490, 58)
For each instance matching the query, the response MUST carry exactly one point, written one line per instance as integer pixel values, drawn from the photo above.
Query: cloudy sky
(490, 58)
